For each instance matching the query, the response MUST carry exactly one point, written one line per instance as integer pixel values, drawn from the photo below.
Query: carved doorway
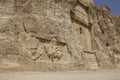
(85, 38)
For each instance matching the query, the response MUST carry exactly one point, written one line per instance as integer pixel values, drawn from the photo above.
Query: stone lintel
(43, 39)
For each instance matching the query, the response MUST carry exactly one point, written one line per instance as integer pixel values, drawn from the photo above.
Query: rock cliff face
(52, 35)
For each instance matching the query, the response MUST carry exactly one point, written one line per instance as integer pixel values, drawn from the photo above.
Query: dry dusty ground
(93, 75)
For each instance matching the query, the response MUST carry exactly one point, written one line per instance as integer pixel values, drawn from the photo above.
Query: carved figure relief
(48, 51)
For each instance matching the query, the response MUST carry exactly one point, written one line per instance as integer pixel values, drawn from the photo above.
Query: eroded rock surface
(51, 35)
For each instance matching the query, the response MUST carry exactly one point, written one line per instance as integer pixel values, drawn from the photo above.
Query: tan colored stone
(51, 35)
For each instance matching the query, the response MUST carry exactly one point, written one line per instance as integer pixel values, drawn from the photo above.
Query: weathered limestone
(6, 7)
(51, 35)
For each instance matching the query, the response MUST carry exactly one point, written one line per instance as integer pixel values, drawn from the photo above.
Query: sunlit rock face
(57, 35)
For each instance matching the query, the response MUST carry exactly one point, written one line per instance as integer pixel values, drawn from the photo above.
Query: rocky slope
(51, 35)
